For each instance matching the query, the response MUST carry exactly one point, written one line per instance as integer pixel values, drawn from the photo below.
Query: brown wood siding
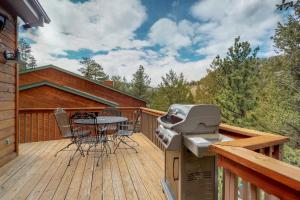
(61, 78)
(48, 97)
(8, 92)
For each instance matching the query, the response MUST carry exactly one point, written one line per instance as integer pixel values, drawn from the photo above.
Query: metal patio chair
(110, 112)
(125, 132)
(67, 130)
(89, 123)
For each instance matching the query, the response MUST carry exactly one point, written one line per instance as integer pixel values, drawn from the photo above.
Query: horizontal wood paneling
(6, 78)
(5, 159)
(8, 82)
(8, 69)
(7, 87)
(7, 105)
(7, 150)
(7, 114)
(7, 96)
(7, 123)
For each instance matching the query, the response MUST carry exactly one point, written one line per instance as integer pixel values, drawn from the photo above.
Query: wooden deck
(37, 174)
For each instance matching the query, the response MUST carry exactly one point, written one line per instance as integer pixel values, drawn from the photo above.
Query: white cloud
(166, 32)
(95, 25)
(253, 20)
(155, 65)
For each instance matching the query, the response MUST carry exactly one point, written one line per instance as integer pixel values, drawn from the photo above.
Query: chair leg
(72, 157)
(62, 149)
(90, 146)
(137, 144)
(118, 144)
(79, 143)
(101, 154)
(124, 142)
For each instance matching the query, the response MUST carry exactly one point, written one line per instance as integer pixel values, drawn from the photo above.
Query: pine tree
(121, 83)
(92, 70)
(287, 40)
(26, 55)
(237, 76)
(173, 89)
(140, 83)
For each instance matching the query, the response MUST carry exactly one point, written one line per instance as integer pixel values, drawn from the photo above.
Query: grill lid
(204, 118)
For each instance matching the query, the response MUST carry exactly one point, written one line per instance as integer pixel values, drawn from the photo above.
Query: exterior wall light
(13, 57)
(3, 19)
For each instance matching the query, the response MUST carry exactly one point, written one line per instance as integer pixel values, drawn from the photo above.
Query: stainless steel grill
(186, 132)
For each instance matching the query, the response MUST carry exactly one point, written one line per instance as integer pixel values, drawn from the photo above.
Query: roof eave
(30, 11)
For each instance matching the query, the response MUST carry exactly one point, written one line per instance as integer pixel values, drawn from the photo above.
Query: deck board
(37, 174)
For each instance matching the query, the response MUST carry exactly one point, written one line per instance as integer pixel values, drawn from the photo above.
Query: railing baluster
(246, 191)
(253, 192)
(49, 135)
(31, 128)
(230, 189)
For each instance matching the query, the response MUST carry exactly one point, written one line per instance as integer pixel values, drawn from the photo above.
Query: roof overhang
(30, 11)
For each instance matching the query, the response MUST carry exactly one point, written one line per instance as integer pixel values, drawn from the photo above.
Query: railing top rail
(73, 109)
(153, 111)
(272, 168)
(256, 142)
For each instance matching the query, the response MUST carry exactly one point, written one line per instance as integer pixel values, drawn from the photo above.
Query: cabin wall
(8, 91)
(48, 97)
(61, 78)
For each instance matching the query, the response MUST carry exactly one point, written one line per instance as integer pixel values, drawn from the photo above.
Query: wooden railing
(40, 125)
(250, 163)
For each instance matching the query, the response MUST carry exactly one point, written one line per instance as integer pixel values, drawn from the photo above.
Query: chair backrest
(85, 116)
(110, 112)
(63, 122)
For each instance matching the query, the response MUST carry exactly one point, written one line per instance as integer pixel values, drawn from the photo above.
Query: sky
(121, 35)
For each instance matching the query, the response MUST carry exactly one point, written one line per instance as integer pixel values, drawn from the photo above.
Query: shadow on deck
(37, 174)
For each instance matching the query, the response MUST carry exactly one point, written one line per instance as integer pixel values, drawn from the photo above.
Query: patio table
(102, 137)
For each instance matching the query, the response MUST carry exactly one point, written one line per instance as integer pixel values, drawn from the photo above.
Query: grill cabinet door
(172, 171)
(197, 176)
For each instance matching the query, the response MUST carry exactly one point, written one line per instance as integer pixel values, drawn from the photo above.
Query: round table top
(102, 120)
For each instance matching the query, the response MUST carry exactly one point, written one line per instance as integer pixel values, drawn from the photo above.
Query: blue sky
(183, 35)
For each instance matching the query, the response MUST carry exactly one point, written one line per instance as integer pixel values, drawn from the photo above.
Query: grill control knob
(156, 131)
(165, 140)
(161, 135)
